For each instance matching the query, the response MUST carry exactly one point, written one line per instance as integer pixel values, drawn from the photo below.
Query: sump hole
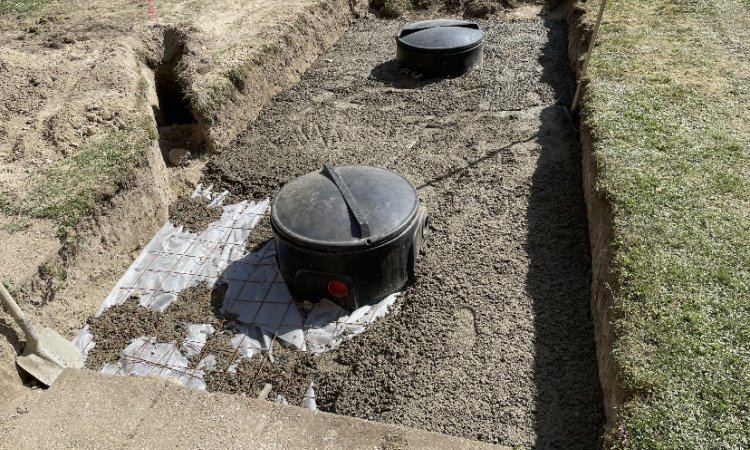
(180, 136)
(174, 107)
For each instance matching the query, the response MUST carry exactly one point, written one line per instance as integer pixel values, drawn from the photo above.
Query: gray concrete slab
(87, 410)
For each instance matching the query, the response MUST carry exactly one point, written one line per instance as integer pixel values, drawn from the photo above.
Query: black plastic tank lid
(440, 36)
(312, 211)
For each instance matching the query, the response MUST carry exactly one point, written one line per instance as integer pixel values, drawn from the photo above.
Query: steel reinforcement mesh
(199, 309)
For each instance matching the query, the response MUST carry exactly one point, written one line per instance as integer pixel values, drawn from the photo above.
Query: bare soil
(135, 412)
(73, 72)
(494, 339)
(120, 324)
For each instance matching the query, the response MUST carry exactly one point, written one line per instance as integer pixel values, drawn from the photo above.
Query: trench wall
(283, 60)
(600, 224)
(107, 241)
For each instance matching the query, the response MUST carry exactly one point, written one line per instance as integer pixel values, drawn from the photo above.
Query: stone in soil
(179, 157)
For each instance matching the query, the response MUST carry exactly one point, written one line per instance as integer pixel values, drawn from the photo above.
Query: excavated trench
(174, 107)
(181, 137)
(494, 339)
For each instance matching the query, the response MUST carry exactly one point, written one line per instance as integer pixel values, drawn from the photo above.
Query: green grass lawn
(668, 103)
(20, 6)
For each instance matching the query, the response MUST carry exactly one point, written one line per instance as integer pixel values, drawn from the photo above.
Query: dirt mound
(193, 214)
(117, 326)
(114, 330)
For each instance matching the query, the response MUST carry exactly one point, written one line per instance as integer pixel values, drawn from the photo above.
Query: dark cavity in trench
(180, 135)
(174, 106)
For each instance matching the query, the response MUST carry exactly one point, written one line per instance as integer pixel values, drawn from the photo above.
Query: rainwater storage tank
(351, 234)
(441, 47)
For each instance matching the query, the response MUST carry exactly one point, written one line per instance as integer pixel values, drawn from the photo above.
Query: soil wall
(600, 220)
(109, 240)
(279, 66)
(105, 244)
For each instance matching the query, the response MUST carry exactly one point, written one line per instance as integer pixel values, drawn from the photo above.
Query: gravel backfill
(116, 327)
(494, 339)
(262, 233)
(192, 214)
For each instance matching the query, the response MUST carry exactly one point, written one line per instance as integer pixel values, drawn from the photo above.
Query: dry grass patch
(68, 189)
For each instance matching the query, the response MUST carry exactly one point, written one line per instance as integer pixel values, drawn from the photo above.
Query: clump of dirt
(262, 233)
(187, 136)
(116, 327)
(193, 214)
(480, 8)
(197, 304)
(391, 8)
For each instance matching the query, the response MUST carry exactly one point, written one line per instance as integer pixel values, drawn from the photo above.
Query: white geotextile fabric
(176, 259)
(155, 358)
(256, 295)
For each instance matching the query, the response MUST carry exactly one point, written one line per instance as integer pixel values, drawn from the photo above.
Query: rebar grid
(255, 292)
(257, 335)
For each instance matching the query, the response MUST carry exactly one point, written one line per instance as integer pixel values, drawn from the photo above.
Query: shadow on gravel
(568, 412)
(490, 155)
(391, 74)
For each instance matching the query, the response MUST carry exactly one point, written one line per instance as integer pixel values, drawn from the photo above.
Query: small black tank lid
(440, 36)
(311, 211)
